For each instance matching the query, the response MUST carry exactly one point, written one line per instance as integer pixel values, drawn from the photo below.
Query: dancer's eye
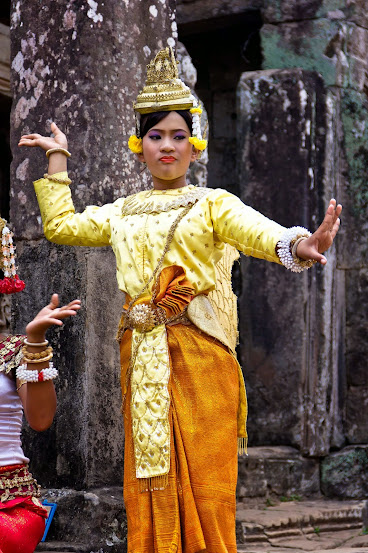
(179, 137)
(154, 136)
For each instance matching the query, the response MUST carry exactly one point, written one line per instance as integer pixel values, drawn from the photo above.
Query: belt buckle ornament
(142, 318)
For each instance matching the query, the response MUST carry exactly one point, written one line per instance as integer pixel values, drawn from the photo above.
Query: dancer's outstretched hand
(314, 246)
(50, 315)
(59, 139)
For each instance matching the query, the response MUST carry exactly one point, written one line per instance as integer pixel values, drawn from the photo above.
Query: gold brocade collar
(158, 201)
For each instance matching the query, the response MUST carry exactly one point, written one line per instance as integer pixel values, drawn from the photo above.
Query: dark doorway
(221, 50)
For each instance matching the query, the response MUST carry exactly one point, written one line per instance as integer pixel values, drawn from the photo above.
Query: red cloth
(21, 528)
(22, 521)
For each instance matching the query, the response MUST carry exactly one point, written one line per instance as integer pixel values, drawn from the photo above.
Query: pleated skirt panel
(196, 511)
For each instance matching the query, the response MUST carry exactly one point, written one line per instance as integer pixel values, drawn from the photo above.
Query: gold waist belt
(145, 317)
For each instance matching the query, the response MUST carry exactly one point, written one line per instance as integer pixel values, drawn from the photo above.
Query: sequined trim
(136, 205)
(10, 352)
(18, 482)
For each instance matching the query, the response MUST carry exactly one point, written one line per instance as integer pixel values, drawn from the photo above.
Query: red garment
(21, 528)
(22, 520)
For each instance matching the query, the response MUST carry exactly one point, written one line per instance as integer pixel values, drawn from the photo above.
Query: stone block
(336, 51)
(344, 473)
(96, 518)
(356, 425)
(292, 376)
(278, 471)
(194, 11)
(84, 446)
(356, 327)
(290, 10)
(354, 112)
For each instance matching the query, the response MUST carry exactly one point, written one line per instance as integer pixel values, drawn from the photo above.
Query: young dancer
(183, 392)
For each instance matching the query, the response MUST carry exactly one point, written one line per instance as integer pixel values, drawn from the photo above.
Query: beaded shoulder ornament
(164, 91)
(11, 282)
(11, 352)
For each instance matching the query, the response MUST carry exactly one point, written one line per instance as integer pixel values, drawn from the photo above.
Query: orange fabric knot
(175, 290)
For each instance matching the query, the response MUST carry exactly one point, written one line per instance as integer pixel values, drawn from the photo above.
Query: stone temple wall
(297, 136)
(301, 139)
(81, 65)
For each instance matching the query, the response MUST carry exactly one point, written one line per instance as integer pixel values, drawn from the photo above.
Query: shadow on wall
(221, 50)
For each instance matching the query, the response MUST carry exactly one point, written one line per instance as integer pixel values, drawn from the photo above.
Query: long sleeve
(60, 222)
(243, 227)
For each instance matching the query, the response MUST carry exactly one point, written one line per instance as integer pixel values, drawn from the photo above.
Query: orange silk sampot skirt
(196, 512)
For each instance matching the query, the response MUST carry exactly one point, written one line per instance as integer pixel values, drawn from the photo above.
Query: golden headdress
(11, 282)
(164, 91)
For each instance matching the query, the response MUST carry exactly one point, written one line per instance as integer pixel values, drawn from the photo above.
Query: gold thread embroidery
(136, 205)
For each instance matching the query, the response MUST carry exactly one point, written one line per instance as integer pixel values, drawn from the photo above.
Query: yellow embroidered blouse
(136, 228)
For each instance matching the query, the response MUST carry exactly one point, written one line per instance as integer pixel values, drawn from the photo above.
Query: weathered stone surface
(298, 526)
(189, 11)
(95, 518)
(356, 327)
(354, 111)
(344, 473)
(335, 50)
(4, 60)
(356, 423)
(273, 11)
(292, 377)
(278, 471)
(89, 93)
(87, 434)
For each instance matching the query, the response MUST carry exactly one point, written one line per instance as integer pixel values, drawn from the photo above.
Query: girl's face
(167, 152)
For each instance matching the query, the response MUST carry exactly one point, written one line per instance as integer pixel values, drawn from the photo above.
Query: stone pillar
(81, 65)
(289, 323)
(332, 39)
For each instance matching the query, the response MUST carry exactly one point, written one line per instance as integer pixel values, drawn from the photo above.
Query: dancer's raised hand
(59, 139)
(321, 240)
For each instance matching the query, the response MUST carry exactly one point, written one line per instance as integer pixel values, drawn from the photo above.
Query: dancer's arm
(256, 235)
(39, 398)
(61, 224)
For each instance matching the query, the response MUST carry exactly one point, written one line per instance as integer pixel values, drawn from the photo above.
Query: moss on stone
(344, 474)
(354, 115)
(305, 51)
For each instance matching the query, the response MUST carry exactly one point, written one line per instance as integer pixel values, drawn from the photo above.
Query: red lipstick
(167, 159)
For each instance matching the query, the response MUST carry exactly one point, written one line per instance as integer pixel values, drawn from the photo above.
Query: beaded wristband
(23, 373)
(42, 360)
(58, 150)
(56, 179)
(284, 249)
(39, 355)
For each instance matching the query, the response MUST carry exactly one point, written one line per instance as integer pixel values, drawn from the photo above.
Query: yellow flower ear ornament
(164, 91)
(135, 144)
